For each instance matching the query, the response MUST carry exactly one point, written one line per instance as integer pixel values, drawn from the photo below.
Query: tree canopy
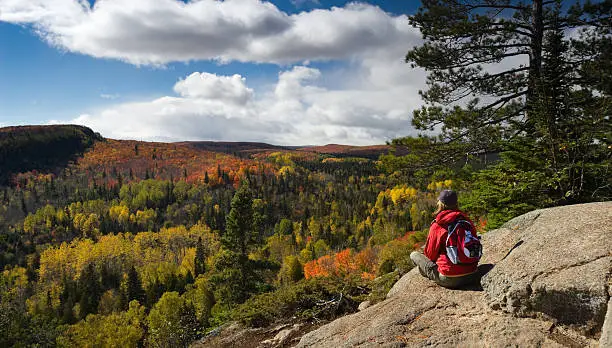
(524, 78)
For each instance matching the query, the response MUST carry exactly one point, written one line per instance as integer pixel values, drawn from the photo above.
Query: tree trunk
(535, 56)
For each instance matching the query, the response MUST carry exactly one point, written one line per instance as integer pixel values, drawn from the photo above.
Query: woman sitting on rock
(449, 270)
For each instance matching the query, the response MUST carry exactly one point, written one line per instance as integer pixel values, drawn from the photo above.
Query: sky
(287, 72)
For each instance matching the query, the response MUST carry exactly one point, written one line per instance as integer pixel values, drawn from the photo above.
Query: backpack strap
(452, 227)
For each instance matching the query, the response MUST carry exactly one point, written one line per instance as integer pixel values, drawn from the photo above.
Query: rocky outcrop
(558, 265)
(546, 284)
(606, 331)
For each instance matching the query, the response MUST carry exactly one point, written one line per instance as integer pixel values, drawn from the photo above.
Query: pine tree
(239, 222)
(133, 288)
(188, 324)
(200, 259)
(189, 279)
(464, 39)
(544, 105)
(67, 301)
(90, 291)
(234, 274)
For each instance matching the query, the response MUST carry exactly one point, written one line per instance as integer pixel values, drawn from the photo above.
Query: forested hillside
(41, 148)
(167, 241)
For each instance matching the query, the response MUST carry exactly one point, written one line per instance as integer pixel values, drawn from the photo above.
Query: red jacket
(435, 247)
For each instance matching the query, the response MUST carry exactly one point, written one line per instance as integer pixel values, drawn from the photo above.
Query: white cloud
(367, 100)
(296, 111)
(157, 32)
(210, 86)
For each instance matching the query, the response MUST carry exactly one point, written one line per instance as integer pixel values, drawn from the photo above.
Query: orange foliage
(366, 260)
(368, 276)
(164, 161)
(318, 268)
(406, 236)
(343, 264)
(481, 225)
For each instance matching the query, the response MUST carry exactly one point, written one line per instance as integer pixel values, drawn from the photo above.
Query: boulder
(558, 266)
(547, 285)
(281, 337)
(363, 305)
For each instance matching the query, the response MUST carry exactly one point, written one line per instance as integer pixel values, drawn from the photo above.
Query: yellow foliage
(440, 185)
(188, 264)
(155, 255)
(123, 329)
(401, 194)
(285, 170)
(120, 213)
(13, 280)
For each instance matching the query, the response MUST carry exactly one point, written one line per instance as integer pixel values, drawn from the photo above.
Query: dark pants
(430, 270)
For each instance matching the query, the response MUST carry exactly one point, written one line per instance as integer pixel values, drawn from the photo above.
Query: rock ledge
(549, 286)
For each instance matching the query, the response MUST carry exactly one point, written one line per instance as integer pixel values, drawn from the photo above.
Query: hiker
(436, 264)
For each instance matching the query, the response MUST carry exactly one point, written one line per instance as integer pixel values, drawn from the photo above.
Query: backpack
(462, 244)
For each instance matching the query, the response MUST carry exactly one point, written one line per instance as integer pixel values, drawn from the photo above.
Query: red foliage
(321, 267)
(163, 161)
(481, 225)
(406, 236)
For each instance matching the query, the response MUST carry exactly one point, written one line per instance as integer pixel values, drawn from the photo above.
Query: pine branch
(486, 60)
(492, 76)
(471, 7)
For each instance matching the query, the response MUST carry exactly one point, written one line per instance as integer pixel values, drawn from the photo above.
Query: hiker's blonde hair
(440, 206)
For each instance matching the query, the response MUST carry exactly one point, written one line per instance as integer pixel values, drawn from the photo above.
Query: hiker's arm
(432, 245)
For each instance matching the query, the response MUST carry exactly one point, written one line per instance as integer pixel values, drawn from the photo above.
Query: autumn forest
(123, 243)
(167, 241)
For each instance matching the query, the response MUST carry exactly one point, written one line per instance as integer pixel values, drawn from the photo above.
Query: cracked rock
(561, 268)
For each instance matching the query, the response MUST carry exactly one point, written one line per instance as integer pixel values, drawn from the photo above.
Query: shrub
(396, 253)
(319, 297)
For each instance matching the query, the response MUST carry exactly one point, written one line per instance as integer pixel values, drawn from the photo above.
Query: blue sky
(60, 63)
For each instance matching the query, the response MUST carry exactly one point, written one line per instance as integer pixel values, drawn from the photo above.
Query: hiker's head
(447, 200)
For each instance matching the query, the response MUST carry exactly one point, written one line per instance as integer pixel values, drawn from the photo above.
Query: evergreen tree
(544, 107)
(200, 259)
(189, 324)
(239, 222)
(189, 279)
(67, 301)
(90, 291)
(234, 276)
(463, 40)
(133, 288)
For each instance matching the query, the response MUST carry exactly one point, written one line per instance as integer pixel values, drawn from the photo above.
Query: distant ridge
(49, 148)
(370, 151)
(247, 148)
(230, 147)
(41, 148)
